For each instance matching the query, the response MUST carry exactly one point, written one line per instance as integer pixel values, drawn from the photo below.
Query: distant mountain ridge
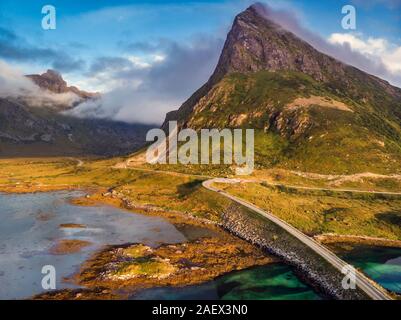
(312, 111)
(53, 81)
(27, 130)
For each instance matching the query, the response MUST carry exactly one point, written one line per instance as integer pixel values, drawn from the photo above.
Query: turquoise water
(270, 282)
(277, 281)
(381, 264)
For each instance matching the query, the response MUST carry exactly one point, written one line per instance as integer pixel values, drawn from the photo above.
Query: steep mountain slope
(27, 130)
(310, 111)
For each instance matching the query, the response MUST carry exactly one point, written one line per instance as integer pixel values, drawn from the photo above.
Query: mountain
(53, 81)
(311, 112)
(31, 130)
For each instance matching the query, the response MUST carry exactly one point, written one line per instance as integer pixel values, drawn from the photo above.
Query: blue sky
(90, 21)
(88, 28)
(107, 45)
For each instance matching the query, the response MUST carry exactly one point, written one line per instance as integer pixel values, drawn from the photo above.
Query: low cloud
(14, 85)
(375, 49)
(150, 79)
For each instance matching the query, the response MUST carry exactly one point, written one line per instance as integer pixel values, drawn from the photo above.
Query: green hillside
(331, 133)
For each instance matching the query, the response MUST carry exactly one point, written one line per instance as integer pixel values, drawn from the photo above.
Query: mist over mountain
(33, 119)
(15, 85)
(53, 81)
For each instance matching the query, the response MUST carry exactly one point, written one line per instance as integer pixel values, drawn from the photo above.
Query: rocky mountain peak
(50, 80)
(257, 43)
(53, 81)
(53, 75)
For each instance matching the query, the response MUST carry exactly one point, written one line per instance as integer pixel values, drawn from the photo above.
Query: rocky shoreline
(117, 272)
(117, 199)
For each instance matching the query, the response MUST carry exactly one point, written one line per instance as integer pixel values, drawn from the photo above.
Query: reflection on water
(270, 282)
(30, 226)
(381, 264)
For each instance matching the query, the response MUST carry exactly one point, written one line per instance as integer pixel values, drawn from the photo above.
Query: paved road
(327, 189)
(365, 284)
(124, 165)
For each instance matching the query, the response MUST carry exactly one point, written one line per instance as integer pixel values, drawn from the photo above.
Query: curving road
(368, 286)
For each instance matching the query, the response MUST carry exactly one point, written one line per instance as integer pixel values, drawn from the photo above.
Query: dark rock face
(255, 43)
(53, 81)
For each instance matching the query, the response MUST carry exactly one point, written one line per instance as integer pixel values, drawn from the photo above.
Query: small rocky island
(119, 271)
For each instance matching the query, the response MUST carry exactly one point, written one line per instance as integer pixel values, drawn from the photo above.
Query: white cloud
(109, 73)
(377, 49)
(127, 105)
(139, 62)
(159, 58)
(365, 54)
(143, 85)
(13, 84)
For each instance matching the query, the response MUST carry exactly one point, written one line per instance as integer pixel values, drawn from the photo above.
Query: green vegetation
(354, 135)
(171, 192)
(316, 212)
(147, 266)
(251, 94)
(137, 251)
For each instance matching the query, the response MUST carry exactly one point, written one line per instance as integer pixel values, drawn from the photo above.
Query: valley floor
(328, 215)
(309, 202)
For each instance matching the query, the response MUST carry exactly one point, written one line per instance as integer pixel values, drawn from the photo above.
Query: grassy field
(320, 212)
(165, 191)
(313, 212)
